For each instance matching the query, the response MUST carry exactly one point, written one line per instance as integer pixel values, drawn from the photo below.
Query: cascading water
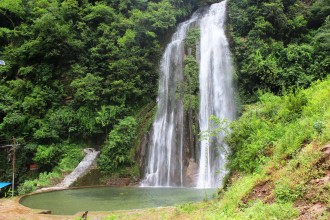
(167, 159)
(216, 93)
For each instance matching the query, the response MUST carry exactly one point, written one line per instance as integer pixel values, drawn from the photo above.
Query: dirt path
(11, 209)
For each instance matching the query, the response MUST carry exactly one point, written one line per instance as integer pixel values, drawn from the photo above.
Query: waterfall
(167, 157)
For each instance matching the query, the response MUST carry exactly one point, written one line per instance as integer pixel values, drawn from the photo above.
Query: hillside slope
(280, 161)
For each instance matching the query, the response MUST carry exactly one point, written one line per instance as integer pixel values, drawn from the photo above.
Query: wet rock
(45, 212)
(118, 182)
(192, 173)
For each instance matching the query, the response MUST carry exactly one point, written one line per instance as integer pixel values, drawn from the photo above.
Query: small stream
(69, 202)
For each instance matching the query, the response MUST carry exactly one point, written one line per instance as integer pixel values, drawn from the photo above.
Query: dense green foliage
(287, 122)
(75, 70)
(279, 44)
(191, 84)
(115, 153)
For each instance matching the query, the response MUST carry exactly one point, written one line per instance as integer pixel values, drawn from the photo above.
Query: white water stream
(216, 93)
(166, 162)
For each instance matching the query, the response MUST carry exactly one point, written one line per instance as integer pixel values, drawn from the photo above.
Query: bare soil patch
(315, 202)
(262, 191)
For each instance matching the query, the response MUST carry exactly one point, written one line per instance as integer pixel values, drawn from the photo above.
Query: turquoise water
(68, 202)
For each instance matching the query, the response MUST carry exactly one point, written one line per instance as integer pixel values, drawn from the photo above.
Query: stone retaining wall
(118, 182)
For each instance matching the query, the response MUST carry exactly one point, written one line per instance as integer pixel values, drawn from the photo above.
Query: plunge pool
(69, 202)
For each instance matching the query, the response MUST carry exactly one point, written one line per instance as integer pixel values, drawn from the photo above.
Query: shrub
(27, 187)
(48, 179)
(116, 151)
(47, 157)
(71, 157)
(319, 126)
(251, 136)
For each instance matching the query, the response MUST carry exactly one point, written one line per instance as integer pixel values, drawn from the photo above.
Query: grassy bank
(280, 161)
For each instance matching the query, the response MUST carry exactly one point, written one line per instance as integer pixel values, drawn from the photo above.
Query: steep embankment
(280, 161)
